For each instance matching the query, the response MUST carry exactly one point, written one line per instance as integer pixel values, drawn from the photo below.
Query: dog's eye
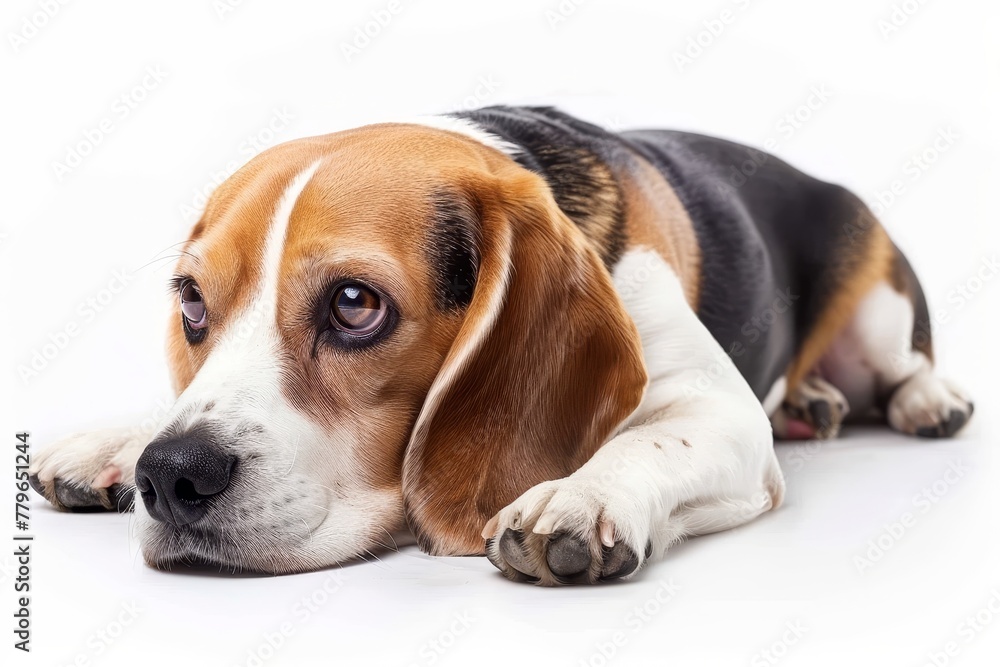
(357, 310)
(193, 307)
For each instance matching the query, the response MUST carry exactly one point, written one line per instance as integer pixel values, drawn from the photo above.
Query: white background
(887, 95)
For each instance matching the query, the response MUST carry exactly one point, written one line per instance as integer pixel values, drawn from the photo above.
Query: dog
(513, 333)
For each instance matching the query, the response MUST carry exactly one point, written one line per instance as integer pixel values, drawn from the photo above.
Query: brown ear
(545, 366)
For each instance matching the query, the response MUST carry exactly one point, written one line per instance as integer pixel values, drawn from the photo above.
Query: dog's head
(386, 327)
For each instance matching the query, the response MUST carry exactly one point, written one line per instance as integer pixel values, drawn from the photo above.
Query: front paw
(89, 471)
(567, 531)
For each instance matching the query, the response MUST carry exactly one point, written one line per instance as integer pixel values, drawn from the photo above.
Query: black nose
(177, 477)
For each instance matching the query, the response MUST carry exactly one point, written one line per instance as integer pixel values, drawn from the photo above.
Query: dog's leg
(90, 471)
(813, 410)
(884, 359)
(685, 472)
(696, 457)
(928, 406)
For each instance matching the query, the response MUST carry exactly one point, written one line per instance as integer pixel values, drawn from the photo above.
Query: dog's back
(784, 260)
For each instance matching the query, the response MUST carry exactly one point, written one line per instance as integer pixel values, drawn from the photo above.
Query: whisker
(294, 455)
(394, 546)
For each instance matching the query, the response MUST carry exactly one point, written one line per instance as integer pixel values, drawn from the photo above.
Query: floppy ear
(545, 366)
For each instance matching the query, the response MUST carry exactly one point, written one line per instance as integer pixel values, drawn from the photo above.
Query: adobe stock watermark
(710, 31)
(751, 331)
(223, 8)
(912, 170)
(778, 650)
(365, 33)
(631, 283)
(255, 143)
(967, 290)
(486, 87)
(123, 106)
(248, 324)
(795, 119)
(301, 612)
(86, 312)
(8, 568)
(786, 127)
(614, 123)
(623, 464)
(562, 12)
(922, 503)
(797, 456)
(32, 24)
(433, 649)
(153, 423)
(966, 632)
(759, 501)
(899, 15)
(627, 284)
(604, 651)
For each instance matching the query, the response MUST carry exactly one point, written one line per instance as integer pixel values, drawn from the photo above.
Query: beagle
(510, 332)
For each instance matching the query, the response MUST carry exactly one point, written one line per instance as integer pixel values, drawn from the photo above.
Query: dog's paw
(89, 471)
(815, 409)
(566, 532)
(928, 406)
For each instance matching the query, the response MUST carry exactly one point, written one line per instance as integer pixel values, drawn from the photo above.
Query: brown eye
(357, 310)
(193, 307)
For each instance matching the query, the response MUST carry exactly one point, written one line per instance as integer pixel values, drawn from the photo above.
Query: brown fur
(562, 346)
(655, 218)
(872, 263)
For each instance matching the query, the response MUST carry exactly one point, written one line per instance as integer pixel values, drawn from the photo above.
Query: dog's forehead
(371, 195)
(357, 200)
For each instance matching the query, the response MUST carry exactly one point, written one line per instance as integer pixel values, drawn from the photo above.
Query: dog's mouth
(246, 549)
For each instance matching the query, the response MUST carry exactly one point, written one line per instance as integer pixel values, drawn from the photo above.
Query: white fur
(695, 457)
(466, 128)
(925, 400)
(874, 349)
(875, 352)
(775, 395)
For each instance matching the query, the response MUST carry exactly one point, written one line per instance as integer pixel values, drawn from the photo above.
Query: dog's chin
(172, 549)
(249, 549)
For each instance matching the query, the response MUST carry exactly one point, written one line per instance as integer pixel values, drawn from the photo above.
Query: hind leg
(883, 359)
(814, 410)
(929, 406)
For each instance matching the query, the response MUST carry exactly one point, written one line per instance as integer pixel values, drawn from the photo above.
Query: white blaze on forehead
(246, 358)
(274, 248)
